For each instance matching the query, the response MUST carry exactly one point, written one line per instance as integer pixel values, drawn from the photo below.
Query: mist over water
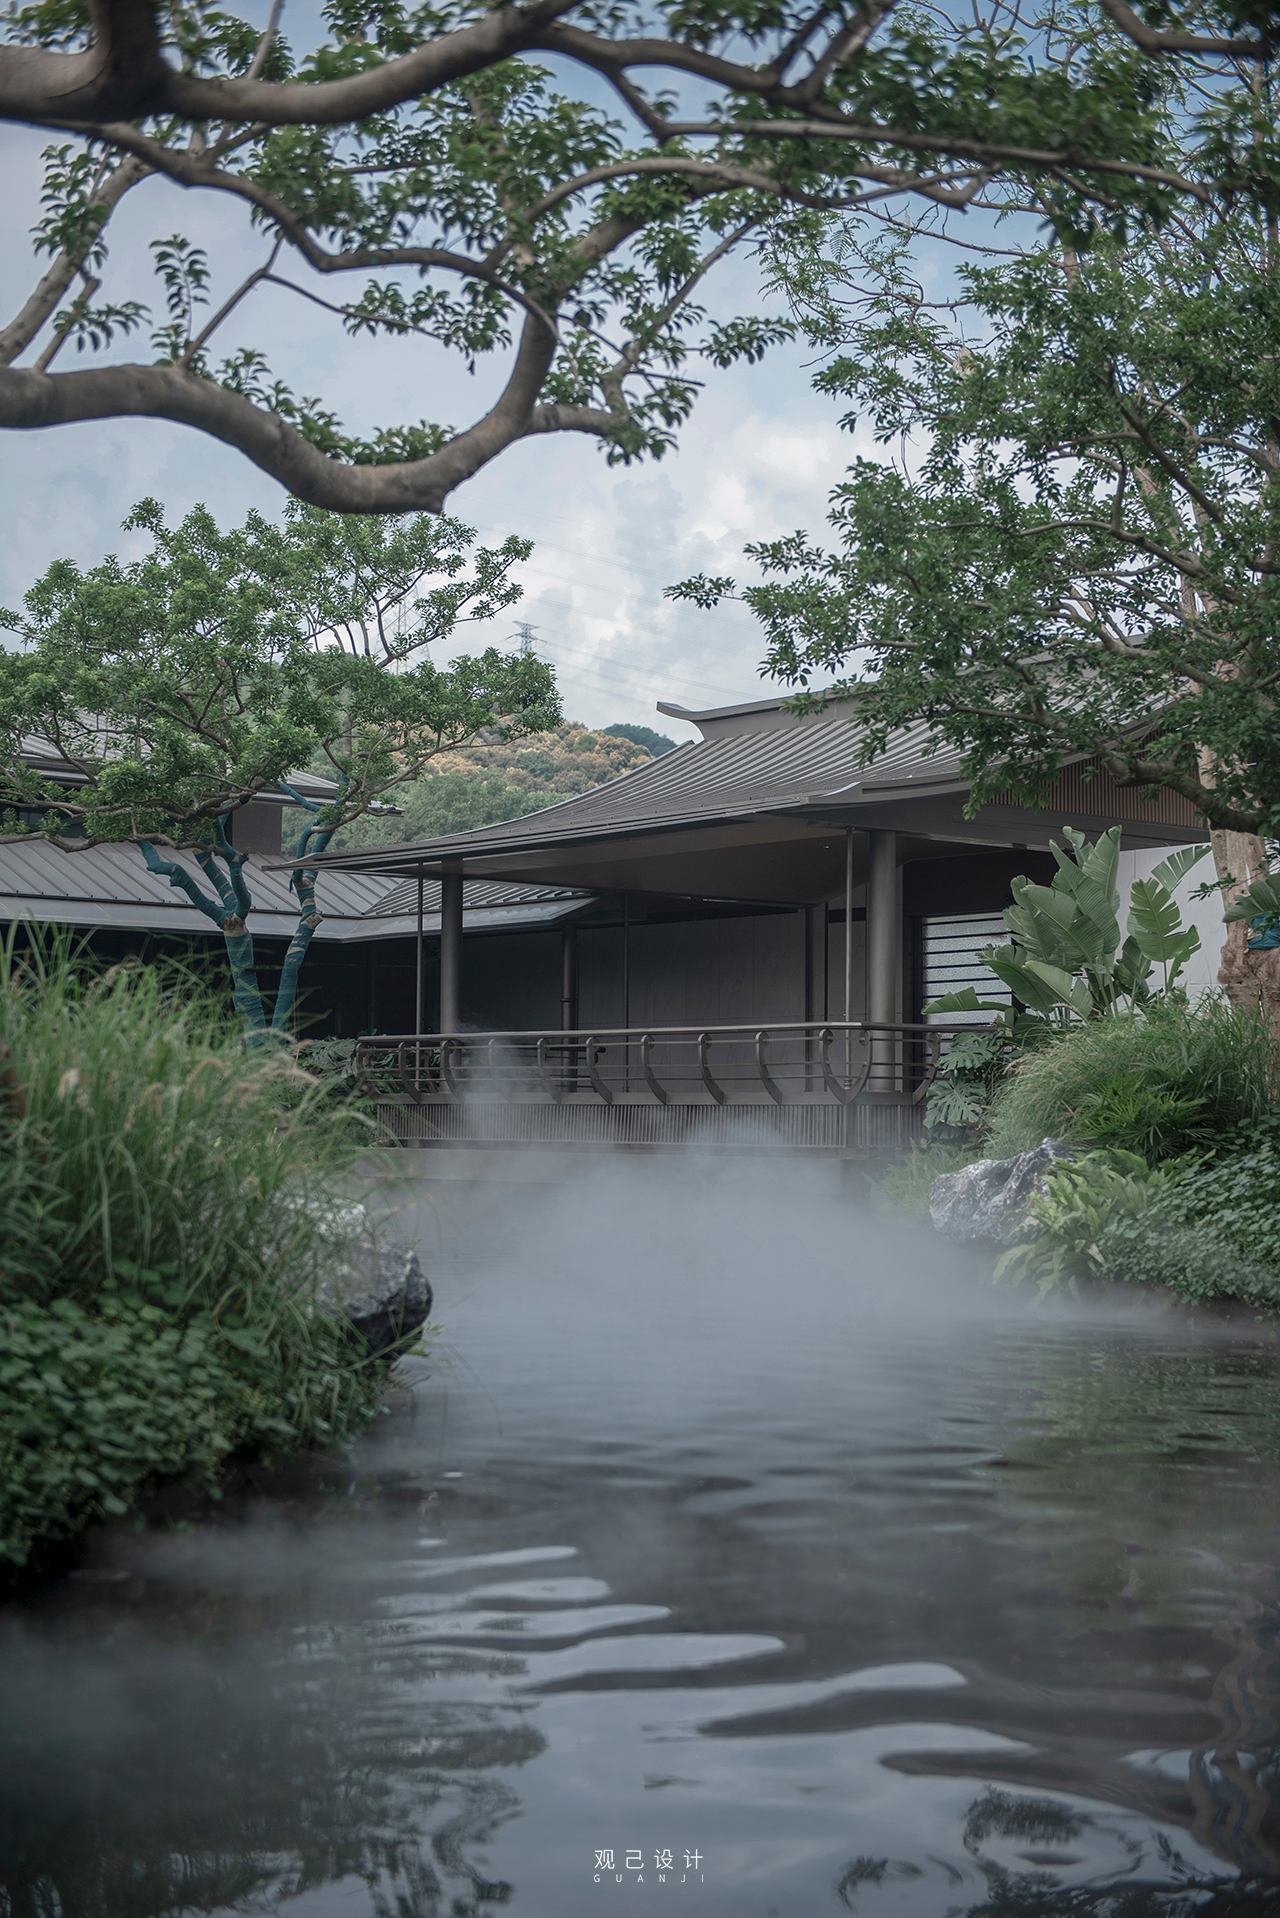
(733, 1522)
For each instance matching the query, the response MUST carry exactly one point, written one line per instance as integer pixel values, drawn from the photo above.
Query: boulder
(987, 1202)
(385, 1296)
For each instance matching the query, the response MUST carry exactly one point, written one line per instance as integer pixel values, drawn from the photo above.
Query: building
(759, 879)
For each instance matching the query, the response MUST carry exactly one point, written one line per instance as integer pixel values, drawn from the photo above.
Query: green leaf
(966, 1000)
(1024, 983)
(1178, 865)
(1263, 896)
(1154, 921)
(1060, 983)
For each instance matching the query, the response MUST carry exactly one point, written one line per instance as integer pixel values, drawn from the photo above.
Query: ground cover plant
(1175, 1180)
(166, 1224)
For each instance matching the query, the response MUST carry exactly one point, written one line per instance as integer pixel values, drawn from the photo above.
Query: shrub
(1205, 1229)
(164, 1226)
(1172, 1077)
(1082, 1199)
(1211, 1232)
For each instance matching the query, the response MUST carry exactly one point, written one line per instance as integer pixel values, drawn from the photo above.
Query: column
(450, 951)
(815, 987)
(882, 953)
(419, 970)
(569, 1004)
(569, 979)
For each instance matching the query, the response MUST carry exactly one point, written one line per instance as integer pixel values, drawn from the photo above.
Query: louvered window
(949, 961)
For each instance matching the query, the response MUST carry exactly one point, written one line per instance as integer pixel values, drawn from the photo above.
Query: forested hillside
(499, 779)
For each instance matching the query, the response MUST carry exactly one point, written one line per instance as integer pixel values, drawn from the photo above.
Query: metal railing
(824, 1063)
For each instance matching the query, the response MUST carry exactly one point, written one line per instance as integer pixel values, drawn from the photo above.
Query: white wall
(1205, 914)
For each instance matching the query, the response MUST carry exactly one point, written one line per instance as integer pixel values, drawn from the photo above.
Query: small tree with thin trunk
(178, 688)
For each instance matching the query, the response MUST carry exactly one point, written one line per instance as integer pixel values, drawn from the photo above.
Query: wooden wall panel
(1100, 797)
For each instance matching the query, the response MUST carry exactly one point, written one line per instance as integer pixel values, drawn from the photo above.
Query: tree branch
(22, 329)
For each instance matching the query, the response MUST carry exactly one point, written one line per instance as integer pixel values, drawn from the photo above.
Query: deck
(828, 1087)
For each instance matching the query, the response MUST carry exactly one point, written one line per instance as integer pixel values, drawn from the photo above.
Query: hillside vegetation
(503, 779)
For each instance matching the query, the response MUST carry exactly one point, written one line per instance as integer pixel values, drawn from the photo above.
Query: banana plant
(1065, 960)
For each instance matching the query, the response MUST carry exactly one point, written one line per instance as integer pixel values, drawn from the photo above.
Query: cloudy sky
(758, 459)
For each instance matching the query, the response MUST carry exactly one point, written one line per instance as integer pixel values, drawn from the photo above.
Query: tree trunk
(246, 996)
(1250, 979)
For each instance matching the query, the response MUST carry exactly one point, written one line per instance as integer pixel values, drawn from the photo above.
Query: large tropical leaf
(1098, 905)
(1066, 990)
(966, 1000)
(1069, 932)
(1178, 865)
(1263, 896)
(1021, 981)
(1133, 969)
(1102, 866)
(1154, 921)
(1097, 860)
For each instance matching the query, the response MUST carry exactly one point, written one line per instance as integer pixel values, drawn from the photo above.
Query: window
(949, 961)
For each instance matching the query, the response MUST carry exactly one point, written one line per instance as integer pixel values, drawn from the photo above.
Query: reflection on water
(833, 1594)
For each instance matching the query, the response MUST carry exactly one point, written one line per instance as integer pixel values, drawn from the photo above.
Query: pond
(741, 1553)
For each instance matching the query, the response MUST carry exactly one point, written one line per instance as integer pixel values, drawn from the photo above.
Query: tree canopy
(452, 174)
(502, 776)
(1077, 550)
(176, 689)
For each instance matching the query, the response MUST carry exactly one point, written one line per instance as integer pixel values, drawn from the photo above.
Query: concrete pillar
(882, 929)
(450, 951)
(419, 969)
(569, 979)
(815, 986)
(883, 941)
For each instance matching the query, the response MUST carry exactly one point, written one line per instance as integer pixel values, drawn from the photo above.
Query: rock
(988, 1201)
(383, 1298)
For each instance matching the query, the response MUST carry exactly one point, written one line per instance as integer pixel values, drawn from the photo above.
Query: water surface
(745, 1554)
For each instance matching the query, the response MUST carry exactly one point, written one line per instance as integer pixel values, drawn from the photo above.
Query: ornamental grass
(166, 1216)
(1173, 1079)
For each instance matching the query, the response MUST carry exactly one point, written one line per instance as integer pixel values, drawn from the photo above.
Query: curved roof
(809, 766)
(110, 886)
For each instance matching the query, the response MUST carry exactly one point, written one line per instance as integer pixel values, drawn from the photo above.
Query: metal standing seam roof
(807, 765)
(109, 886)
(42, 756)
